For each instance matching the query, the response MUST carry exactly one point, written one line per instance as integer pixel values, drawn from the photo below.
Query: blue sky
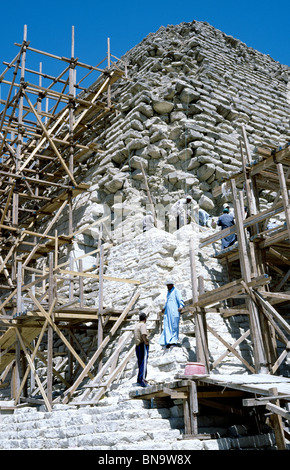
(259, 24)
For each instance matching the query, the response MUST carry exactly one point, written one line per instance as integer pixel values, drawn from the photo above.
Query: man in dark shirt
(224, 221)
(142, 349)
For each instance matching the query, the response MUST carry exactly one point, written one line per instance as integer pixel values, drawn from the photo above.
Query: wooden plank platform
(259, 384)
(160, 390)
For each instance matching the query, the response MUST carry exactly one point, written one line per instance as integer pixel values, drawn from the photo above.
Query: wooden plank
(272, 311)
(278, 410)
(32, 367)
(70, 391)
(175, 394)
(115, 373)
(229, 290)
(101, 306)
(97, 380)
(235, 344)
(201, 341)
(231, 349)
(193, 407)
(57, 330)
(262, 401)
(96, 276)
(277, 424)
(32, 359)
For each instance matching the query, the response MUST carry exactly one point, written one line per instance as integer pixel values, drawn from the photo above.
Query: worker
(224, 221)
(142, 349)
(173, 306)
(148, 221)
(201, 217)
(181, 210)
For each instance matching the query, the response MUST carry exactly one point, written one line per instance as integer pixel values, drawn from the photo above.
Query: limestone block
(136, 144)
(174, 132)
(169, 92)
(160, 435)
(136, 162)
(180, 84)
(206, 203)
(97, 210)
(177, 116)
(185, 154)
(193, 164)
(137, 125)
(190, 135)
(119, 156)
(205, 171)
(114, 184)
(209, 157)
(190, 444)
(166, 169)
(217, 444)
(137, 115)
(221, 174)
(227, 145)
(191, 181)
(172, 157)
(231, 168)
(163, 107)
(95, 196)
(158, 135)
(188, 95)
(137, 175)
(145, 109)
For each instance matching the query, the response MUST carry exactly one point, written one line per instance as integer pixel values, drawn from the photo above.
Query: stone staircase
(115, 424)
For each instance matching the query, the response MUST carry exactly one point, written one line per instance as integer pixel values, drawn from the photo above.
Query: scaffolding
(42, 152)
(47, 133)
(260, 256)
(260, 259)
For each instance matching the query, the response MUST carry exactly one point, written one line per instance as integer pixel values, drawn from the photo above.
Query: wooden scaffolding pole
(39, 152)
(69, 392)
(200, 334)
(257, 338)
(101, 306)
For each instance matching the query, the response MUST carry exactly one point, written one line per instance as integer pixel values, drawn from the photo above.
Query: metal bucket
(194, 368)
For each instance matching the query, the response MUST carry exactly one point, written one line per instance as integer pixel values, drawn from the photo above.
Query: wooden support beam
(32, 360)
(52, 144)
(175, 394)
(230, 348)
(278, 410)
(272, 311)
(234, 345)
(277, 424)
(57, 330)
(284, 193)
(193, 406)
(101, 306)
(96, 382)
(48, 228)
(256, 333)
(96, 276)
(114, 374)
(71, 390)
(32, 367)
(201, 340)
